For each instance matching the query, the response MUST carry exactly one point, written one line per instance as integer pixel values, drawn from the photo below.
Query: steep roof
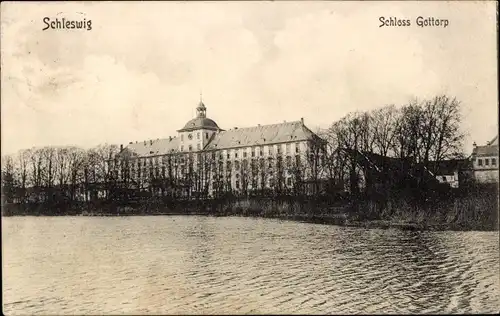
(388, 167)
(241, 137)
(450, 166)
(261, 135)
(153, 147)
(488, 150)
(494, 141)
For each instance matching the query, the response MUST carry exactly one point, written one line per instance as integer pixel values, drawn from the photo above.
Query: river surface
(207, 265)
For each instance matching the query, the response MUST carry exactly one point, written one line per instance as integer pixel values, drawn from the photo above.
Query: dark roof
(494, 141)
(449, 166)
(200, 123)
(488, 150)
(389, 167)
(261, 135)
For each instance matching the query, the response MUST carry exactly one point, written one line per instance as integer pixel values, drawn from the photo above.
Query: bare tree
(23, 159)
(48, 155)
(8, 180)
(384, 122)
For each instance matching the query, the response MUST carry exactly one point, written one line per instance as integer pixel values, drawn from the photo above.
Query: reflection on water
(202, 265)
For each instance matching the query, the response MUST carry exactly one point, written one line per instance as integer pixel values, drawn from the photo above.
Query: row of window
(190, 147)
(262, 163)
(486, 161)
(229, 166)
(254, 151)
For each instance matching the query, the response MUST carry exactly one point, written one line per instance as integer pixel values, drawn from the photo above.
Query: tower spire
(201, 109)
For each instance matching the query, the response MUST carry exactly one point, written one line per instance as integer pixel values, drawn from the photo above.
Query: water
(203, 265)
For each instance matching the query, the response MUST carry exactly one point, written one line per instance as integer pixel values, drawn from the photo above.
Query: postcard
(249, 157)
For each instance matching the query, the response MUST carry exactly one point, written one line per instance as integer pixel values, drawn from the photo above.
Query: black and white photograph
(249, 157)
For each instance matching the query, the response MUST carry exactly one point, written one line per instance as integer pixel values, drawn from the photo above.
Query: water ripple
(202, 265)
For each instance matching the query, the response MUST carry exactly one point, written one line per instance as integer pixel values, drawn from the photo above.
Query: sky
(138, 73)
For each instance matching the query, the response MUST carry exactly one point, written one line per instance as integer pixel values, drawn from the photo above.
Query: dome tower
(197, 132)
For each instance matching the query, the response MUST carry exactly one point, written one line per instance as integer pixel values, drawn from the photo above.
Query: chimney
(151, 142)
(236, 128)
(130, 143)
(170, 138)
(258, 125)
(474, 145)
(121, 147)
(302, 120)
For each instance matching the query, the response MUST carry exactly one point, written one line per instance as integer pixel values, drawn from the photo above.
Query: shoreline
(340, 220)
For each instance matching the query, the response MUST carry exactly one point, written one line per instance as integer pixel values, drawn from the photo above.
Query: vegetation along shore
(397, 166)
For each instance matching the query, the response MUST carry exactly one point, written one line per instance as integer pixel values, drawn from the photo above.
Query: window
(198, 146)
(190, 148)
(287, 148)
(297, 147)
(182, 137)
(270, 149)
(278, 149)
(244, 154)
(493, 161)
(182, 148)
(486, 162)
(228, 155)
(261, 150)
(253, 152)
(289, 181)
(236, 154)
(237, 184)
(297, 160)
(479, 162)
(206, 135)
(198, 135)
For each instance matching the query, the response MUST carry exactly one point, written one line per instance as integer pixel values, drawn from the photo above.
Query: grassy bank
(471, 212)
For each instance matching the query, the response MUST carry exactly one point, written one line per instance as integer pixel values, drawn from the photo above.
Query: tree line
(420, 132)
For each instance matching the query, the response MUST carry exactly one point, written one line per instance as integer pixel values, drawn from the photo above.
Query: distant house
(485, 162)
(451, 172)
(378, 169)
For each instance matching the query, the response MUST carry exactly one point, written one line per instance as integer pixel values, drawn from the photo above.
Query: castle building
(205, 160)
(485, 162)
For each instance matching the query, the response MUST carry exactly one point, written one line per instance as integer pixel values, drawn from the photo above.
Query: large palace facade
(205, 160)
